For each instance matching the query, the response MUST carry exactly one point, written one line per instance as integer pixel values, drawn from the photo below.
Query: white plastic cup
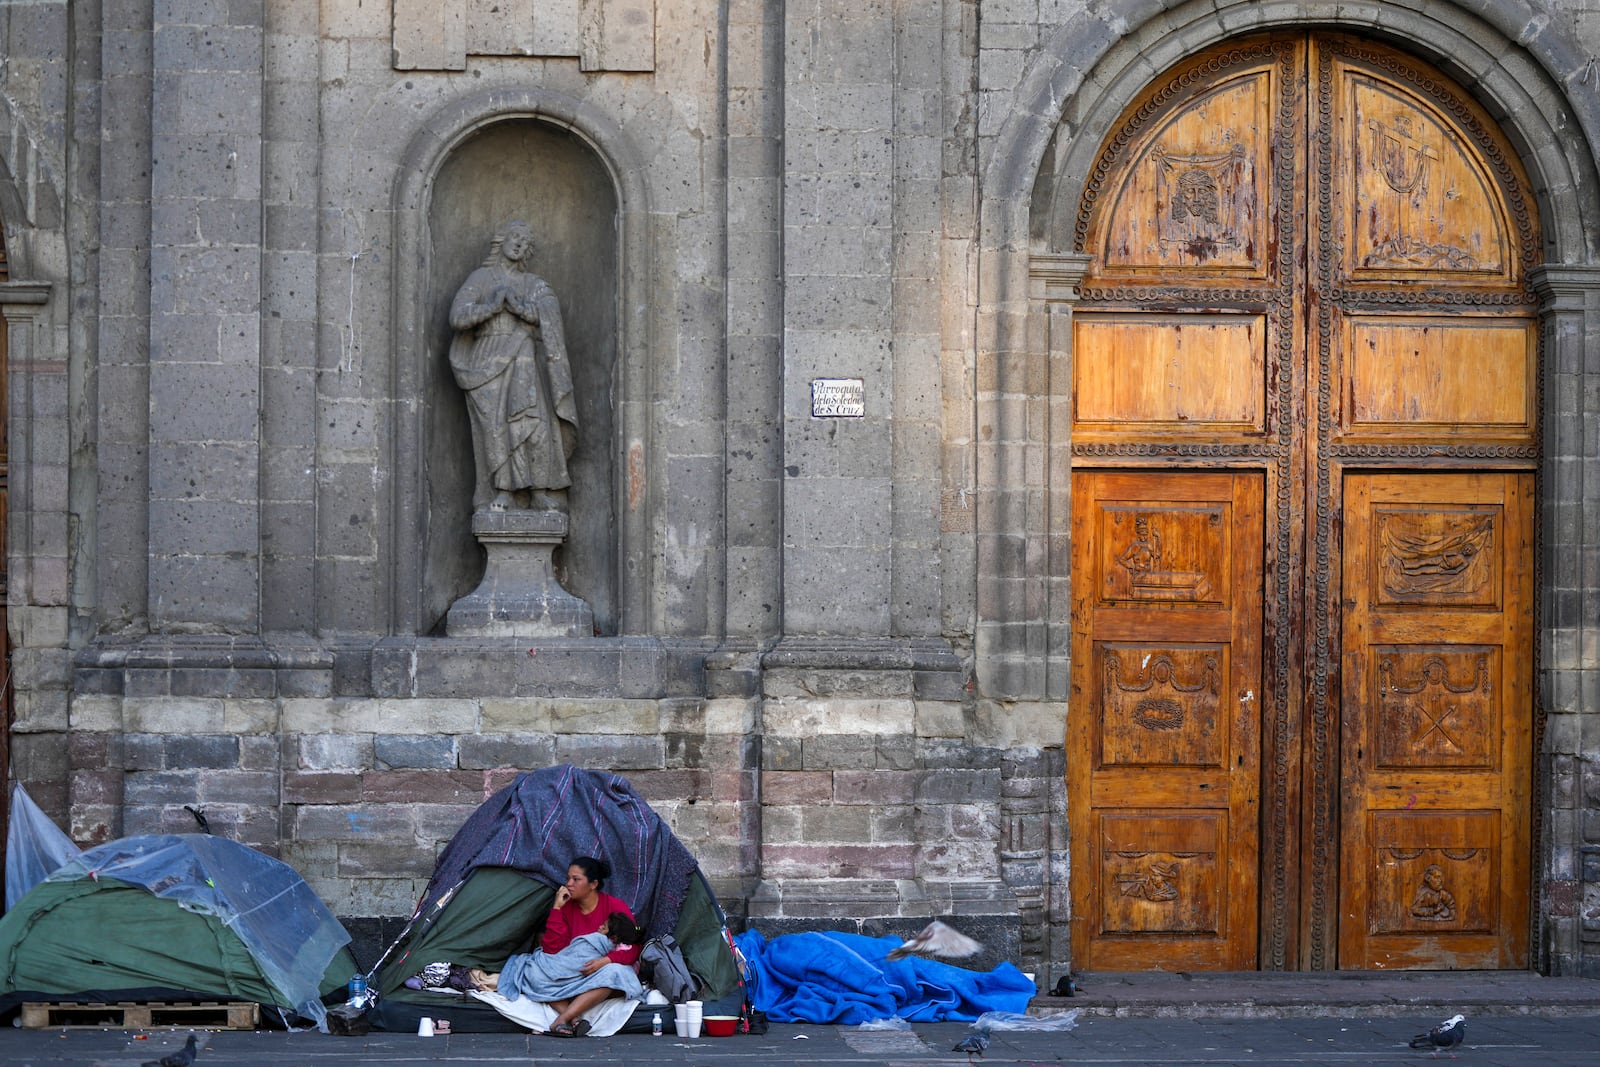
(425, 1027)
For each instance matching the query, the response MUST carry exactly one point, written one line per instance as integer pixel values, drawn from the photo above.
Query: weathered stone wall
(835, 650)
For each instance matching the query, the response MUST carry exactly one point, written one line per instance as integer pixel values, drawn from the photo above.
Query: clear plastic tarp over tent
(277, 917)
(35, 846)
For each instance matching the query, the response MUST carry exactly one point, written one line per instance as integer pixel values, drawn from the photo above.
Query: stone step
(1278, 994)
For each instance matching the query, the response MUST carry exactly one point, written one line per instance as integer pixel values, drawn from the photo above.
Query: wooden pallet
(206, 1015)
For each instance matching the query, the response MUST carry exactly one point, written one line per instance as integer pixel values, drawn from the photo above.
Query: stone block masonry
(832, 649)
(793, 793)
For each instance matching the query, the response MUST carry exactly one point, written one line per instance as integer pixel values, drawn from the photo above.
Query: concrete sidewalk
(1514, 1018)
(1491, 1042)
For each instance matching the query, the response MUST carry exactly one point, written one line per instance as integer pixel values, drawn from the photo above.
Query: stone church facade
(979, 404)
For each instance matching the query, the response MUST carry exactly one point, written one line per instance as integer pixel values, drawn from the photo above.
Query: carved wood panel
(1418, 201)
(1369, 310)
(1435, 873)
(1435, 706)
(1438, 556)
(1162, 706)
(1175, 554)
(1162, 874)
(1193, 199)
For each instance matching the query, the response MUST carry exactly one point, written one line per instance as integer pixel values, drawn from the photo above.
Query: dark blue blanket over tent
(848, 978)
(544, 819)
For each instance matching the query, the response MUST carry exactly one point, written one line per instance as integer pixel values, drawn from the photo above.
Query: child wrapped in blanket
(555, 978)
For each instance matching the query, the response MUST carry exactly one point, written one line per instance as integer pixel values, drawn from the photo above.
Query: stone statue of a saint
(510, 356)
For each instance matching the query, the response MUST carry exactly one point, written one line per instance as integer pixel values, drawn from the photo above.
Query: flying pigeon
(973, 1044)
(937, 939)
(182, 1058)
(1447, 1034)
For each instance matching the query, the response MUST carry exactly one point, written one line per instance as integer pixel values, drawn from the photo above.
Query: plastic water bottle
(655, 1025)
(358, 989)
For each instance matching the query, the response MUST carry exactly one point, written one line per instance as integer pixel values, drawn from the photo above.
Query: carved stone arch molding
(1039, 169)
(515, 154)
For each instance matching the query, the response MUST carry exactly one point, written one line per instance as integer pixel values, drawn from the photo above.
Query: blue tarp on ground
(848, 979)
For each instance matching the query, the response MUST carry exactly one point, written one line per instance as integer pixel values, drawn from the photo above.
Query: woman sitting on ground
(581, 909)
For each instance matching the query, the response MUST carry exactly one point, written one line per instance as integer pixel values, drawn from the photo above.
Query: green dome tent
(494, 882)
(171, 916)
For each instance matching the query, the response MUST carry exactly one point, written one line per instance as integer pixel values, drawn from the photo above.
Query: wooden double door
(1304, 364)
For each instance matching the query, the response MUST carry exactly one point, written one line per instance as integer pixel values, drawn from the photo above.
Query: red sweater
(569, 921)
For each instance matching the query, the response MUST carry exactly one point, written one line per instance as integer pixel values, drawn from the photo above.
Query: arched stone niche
(529, 169)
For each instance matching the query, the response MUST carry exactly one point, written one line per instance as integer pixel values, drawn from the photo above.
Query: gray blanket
(549, 976)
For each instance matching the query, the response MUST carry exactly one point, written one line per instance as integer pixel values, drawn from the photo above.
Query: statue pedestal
(519, 595)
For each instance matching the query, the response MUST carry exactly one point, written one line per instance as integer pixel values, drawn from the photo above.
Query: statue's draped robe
(515, 399)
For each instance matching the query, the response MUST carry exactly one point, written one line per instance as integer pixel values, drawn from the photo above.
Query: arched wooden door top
(1176, 193)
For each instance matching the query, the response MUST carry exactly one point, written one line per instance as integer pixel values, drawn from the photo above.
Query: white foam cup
(693, 1013)
(425, 1027)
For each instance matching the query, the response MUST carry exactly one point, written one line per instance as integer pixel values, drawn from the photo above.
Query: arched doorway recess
(1304, 430)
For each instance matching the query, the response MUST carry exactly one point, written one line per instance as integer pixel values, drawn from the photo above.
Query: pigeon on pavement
(973, 1044)
(937, 939)
(1447, 1034)
(182, 1058)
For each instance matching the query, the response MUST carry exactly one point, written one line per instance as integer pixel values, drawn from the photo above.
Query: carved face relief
(1433, 902)
(1210, 200)
(1197, 196)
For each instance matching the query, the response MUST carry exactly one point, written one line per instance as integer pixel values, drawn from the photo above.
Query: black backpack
(661, 963)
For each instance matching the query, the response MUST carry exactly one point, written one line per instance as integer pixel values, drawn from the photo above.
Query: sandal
(562, 1030)
(581, 1028)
